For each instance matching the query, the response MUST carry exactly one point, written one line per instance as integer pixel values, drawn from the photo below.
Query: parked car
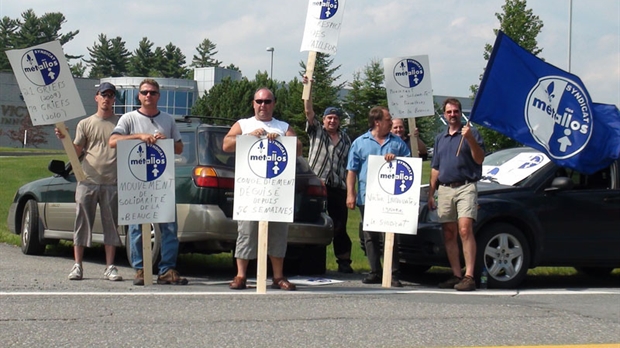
(531, 213)
(43, 211)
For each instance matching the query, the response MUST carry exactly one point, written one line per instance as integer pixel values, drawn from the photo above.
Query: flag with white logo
(542, 106)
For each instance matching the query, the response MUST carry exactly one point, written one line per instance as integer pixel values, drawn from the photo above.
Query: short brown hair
(452, 101)
(151, 82)
(375, 114)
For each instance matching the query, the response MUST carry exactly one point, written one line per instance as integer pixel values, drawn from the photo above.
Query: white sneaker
(111, 273)
(76, 272)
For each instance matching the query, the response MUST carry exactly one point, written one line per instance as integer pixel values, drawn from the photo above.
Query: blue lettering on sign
(147, 162)
(41, 67)
(396, 177)
(408, 73)
(267, 159)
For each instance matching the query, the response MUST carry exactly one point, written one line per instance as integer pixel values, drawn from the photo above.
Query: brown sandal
(284, 284)
(238, 283)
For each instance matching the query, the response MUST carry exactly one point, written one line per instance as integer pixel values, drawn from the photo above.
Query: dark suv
(44, 210)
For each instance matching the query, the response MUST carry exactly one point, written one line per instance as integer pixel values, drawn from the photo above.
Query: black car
(43, 211)
(531, 213)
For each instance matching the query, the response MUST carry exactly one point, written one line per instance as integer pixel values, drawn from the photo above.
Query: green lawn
(17, 171)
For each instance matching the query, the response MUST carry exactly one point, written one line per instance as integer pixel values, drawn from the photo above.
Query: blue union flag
(542, 106)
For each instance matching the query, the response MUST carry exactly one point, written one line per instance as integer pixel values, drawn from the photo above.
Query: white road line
(322, 292)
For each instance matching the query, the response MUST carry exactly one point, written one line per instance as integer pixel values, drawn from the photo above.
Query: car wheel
(155, 245)
(598, 272)
(503, 250)
(31, 244)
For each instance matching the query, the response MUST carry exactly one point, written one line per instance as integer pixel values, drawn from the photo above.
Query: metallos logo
(326, 9)
(408, 73)
(267, 159)
(147, 162)
(559, 116)
(396, 177)
(41, 67)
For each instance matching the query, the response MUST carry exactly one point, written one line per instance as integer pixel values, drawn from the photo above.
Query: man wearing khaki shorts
(456, 167)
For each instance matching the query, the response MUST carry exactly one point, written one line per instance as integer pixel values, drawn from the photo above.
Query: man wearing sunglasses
(149, 125)
(99, 186)
(261, 124)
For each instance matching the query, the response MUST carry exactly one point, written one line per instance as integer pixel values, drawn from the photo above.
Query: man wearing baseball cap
(328, 154)
(99, 186)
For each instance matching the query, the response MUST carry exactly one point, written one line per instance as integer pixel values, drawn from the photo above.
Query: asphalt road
(39, 307)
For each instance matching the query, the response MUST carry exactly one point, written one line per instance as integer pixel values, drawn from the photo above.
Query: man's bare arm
(230, 140)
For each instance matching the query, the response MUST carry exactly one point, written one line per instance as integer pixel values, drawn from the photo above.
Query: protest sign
(408, 86)
(392, 195)
(146, 189)
(264, 189)
(49, 91)
(392, 202)
(409, 91)
(265, 179)
(323, 23)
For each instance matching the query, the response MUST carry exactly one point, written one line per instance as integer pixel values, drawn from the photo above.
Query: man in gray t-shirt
(149, 125)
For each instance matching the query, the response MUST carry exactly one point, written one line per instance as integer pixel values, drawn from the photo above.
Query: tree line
(109, 57)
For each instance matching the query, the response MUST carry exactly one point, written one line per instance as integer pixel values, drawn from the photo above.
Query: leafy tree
(109, 57)
(143, 60)
(521, 25)
(205, 55)
(170, 62)
(31, 30)
(365, 93)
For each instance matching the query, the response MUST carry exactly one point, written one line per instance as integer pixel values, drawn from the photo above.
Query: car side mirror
(57, 167)
(561, 183)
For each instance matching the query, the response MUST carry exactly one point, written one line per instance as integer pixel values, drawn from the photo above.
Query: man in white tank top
(261, 124)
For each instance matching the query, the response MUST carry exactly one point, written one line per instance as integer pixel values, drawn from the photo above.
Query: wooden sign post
(261, 262)
(70, 150)
(309, 72)
(264, 190)
(147, 255)
(388, 249)
(137, 178)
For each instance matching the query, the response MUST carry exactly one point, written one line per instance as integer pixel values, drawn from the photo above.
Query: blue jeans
(169, 246)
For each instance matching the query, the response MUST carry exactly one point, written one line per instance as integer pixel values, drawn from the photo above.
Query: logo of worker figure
(267, 159)
(147, 162)
(396, 177)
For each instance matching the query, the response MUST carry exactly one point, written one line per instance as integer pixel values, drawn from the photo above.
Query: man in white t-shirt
(261, 124)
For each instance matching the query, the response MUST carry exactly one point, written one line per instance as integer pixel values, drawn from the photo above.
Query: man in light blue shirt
(377, 141)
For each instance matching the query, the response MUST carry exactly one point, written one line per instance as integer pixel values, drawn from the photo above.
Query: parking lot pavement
(32, 274)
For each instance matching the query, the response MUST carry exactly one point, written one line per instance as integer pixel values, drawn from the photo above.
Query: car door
(59, 204)
(583, 224)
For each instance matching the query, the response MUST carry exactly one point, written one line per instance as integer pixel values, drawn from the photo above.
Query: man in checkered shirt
(329, 150)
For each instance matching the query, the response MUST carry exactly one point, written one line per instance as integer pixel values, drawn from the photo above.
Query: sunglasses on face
(261, 101)
(149, 92)
(107, 96)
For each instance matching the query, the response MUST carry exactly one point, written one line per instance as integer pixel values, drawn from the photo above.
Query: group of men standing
(340, 163)
(96, 139)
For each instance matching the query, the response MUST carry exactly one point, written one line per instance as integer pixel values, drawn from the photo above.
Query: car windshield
(510, 166)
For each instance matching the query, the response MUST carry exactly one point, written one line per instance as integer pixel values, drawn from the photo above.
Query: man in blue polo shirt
(377, 141)
(456, 167)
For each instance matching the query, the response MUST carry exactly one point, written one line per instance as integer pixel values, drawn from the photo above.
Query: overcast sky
(451, 32)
